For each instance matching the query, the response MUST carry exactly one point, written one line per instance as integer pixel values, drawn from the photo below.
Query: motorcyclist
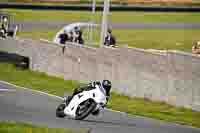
(105, 84)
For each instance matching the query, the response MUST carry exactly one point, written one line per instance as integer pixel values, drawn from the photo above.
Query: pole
(104, 25)
(92, 21)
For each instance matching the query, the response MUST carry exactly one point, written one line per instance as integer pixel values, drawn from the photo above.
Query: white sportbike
(83, 104)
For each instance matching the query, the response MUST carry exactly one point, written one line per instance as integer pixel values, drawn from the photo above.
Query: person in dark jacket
(110, 39)
(80, 38)
(78, 35)
(63, 37)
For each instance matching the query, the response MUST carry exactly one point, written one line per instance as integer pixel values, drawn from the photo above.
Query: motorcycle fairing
(96, 94)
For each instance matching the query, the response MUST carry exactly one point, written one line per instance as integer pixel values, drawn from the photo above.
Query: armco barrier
(172, 76)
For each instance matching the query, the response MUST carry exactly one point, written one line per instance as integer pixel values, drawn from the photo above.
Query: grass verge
(115, 17)
(134, 106)
(14, 127)
(176, 39)
(36, 80)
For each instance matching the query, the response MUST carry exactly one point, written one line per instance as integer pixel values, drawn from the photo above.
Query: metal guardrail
(99, 7)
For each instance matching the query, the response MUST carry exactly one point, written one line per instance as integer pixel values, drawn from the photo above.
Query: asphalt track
(29, 26)
(33, 107)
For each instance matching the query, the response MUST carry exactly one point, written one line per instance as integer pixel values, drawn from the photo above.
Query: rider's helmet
(107, 86)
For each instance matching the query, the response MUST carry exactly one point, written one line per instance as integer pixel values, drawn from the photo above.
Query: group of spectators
(72, 36)
(76, 37)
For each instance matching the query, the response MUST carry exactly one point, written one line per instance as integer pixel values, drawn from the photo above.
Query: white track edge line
(41, 92)
(6, 90)
(44, 93)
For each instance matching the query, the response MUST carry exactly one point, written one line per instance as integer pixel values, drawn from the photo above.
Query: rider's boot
(68, 99)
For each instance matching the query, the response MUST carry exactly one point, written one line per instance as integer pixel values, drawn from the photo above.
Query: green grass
(162, 39)
(36, 80)
(14, 127)
(134, 106)
(157, 110)
(115, 17)
(179, 39)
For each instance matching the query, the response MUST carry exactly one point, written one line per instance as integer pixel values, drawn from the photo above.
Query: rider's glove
(107, 98)
(92, 84)
(103, 105)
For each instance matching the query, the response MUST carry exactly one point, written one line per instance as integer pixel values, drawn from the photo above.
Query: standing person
(70, 36)
(4, 27)
(63, 37)
(196, 48)
(76, 34)
(80, 38)
(110, 39)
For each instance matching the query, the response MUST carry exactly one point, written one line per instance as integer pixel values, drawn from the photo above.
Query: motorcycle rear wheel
(88, 105)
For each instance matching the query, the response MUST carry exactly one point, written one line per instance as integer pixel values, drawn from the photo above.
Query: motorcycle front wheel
(60, 111)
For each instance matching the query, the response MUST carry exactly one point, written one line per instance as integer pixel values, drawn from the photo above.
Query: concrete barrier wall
(173, 77)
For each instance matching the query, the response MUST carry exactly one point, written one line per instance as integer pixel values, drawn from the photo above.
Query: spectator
(78, 35)
(63, 37)
(79, 38)
(70, 36)
(196, 48)
(74, 33)
(4, 27)
(110, 39)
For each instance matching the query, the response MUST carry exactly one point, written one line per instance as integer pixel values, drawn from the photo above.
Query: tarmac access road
(29, 26)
